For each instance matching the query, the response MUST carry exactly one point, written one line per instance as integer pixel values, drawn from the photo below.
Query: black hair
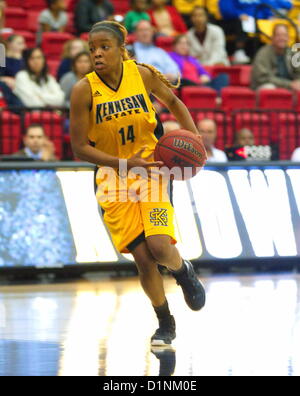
(51, 2)
(44, 73)
(205, 9)
(109, 27)
(34, 125)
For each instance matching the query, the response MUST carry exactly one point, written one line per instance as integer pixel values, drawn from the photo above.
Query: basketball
(181, 149)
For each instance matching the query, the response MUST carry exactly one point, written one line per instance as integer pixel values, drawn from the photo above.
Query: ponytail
(120, 32)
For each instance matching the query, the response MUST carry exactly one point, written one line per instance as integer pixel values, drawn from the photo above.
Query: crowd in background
(202, 37)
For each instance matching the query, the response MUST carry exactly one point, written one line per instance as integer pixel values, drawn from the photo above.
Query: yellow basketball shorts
(137, 217)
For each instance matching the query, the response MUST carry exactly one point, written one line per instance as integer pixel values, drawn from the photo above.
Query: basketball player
(113, 122)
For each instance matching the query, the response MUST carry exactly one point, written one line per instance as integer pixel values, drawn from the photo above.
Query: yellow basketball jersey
(122, 120)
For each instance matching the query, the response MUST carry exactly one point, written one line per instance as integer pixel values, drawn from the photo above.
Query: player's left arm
(155, 86)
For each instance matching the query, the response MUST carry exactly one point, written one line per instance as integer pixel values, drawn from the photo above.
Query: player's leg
(182, 270)
(152, 283)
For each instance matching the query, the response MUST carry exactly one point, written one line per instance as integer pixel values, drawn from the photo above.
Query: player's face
(105, 52)
(34, 139)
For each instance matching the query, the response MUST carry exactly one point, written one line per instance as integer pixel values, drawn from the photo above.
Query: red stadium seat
(234, 98)
(15, 18)
(53, 42)
(245, 75)
(53, 65)
(210, 70)
(15, 3)
(53, 124)
(84, 36)
(298, 101)
(287, 128)
(165, 43)
(130, 38)
(239, 76)
(35, 4)
(71, 5)
(10, 133)
(70, 25)
(199, 97)
(32, 20)
(167, 117)
(121, 7)
(275, 99)
(259, 123)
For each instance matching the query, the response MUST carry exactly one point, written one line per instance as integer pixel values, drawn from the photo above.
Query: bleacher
(272, 115)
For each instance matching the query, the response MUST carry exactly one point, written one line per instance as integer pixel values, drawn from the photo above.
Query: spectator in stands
(244, 137)
(208, 130)
(54, 18)
(2, 16)
(170, 126)
(193, 73)
(166, 19)
(207, 41)
(71, 49)
(138, 13)
(37, 145)
(272, 67)
(89, 12)
(81, 66)
(34, 86)
(235, 12)
(147, 52)
(186, 7)
(14, 60)
(296, 155)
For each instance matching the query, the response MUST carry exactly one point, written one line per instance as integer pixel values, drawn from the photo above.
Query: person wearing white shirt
(34, 86)
(208, 129)
(207, 41)
(296, 155)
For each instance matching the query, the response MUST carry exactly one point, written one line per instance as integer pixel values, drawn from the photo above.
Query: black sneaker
(193, 290)
(167, 359)
(165, 333)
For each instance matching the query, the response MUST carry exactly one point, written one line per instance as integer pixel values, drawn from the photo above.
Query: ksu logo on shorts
(159, 217)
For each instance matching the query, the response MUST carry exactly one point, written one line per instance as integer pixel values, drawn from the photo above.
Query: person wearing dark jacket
(89, 12)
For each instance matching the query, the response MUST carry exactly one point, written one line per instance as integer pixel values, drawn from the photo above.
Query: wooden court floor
(250, 326)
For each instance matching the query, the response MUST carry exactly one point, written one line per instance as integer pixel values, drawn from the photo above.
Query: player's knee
(160, 250)
(146, 267)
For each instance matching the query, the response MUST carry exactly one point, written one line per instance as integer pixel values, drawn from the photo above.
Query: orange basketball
(181, 149)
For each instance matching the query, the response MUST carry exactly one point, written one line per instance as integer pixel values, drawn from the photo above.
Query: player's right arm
(81, 103)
